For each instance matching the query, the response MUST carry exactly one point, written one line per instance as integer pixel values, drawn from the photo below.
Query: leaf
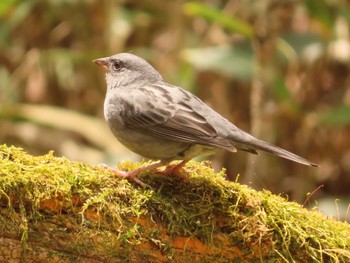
(320, 10)
(282, 93)
(307, 46)
(234, 61)
(227, 22)
(339, 116)
(17, 16)
(5, 6)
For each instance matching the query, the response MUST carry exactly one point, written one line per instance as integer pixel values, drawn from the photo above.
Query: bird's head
(125, 69)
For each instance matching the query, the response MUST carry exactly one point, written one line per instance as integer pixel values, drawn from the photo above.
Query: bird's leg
(170, 169)
(134, 173)
(175, 169)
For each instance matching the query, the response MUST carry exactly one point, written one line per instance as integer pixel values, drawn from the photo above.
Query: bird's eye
(117, 65)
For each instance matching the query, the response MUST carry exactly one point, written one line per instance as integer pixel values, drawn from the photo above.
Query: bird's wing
(170, 116)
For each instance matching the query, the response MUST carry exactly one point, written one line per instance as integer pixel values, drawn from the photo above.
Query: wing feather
(172, 118)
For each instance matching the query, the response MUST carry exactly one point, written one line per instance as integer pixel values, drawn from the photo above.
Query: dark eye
(117, 65)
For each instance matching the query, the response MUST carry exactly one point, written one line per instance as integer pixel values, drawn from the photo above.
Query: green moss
(100, 212)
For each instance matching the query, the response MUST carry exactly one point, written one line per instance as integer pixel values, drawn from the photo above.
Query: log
(56, 210)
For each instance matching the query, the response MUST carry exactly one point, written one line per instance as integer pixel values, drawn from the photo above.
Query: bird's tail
(254, 144)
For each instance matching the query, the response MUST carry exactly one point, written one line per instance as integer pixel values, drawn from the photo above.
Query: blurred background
(278, 69)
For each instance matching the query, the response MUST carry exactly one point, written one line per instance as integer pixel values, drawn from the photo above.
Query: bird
(164, 122)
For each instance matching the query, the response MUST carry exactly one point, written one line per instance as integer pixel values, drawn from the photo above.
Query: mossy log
(56, 210)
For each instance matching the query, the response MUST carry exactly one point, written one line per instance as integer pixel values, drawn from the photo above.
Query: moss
(83, 209)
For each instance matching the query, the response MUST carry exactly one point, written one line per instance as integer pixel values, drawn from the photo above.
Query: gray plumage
(161, 121)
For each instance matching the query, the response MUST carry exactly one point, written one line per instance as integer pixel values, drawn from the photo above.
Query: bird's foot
(175, 169)
(134, 173)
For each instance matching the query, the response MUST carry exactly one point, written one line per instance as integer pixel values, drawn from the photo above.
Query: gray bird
(164, 122)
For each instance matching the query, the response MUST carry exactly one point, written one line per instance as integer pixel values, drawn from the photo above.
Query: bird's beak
(102, 62)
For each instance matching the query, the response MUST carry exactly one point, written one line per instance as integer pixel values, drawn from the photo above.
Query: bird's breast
(113, 112)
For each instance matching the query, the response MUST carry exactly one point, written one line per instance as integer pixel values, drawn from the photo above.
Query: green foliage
(339, 116)
(321, 11)
(301, 43)
(5, 6)
(231, 23)
(234, 62)
(22, 10)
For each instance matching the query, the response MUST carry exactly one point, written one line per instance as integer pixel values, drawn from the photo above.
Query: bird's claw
(175, 169)
(132, 175)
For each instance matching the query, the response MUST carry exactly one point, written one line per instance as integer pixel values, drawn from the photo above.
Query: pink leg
(134, 173)
(175, 169)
